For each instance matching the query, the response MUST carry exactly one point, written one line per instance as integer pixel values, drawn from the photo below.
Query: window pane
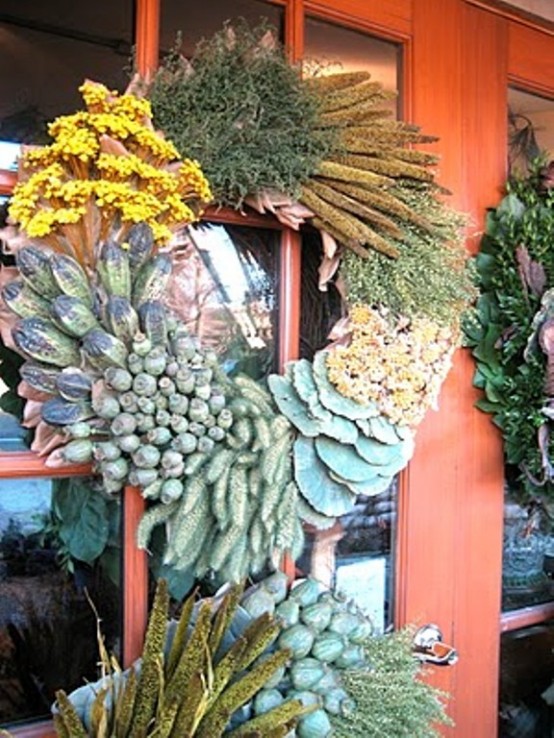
(225, 289)
(530, 128)
(526, 669)
(191, 20)
(49, 49)
(47, 625)
(341, 49)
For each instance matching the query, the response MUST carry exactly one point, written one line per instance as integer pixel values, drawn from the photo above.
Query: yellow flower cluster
(399, 364)
(109, 158)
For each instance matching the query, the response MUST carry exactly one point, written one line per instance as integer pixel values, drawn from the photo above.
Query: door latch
(430, 648)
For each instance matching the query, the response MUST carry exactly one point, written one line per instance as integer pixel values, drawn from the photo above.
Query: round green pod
(307, 698)
(167, 386)
(305, 673)
(106, 451)
(79, 430)
(146, 457)
(305, 592)
(177, 403)
(266, 700)
(123, 424)
(118, 379)
(128, 443)
(328, 647)
(117, 469)
(206, 445)
(202, 392)
(129, 402)
(106, 407)
(185, 443)
(162, 418)
(171, 490)
(352, 657)
(288, 613)
(142, 477)
(155, 365)
(314, 725)
(145, 423)
(78, 451)
(178, 423)
(146, 405)
(171, 458)
(159, 436)
(142, 345)
(145, 384)
(317, 616)
(298, 640)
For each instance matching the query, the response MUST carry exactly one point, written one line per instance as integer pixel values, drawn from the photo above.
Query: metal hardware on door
(429, 647)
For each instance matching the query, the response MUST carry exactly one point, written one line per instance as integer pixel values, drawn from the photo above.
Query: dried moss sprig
(236, 113)
(191, 691)
(390, 699)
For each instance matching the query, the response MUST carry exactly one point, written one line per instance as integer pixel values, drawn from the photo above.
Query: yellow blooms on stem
(107, 158)
(397, 363)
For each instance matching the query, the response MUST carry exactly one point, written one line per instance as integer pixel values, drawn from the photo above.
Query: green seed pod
(216, 403)
(118, 379)
(22, 300)
(175, 472)
(73, 316)
(163, 418)
(58, 411)
(178, 403)
(142, 477)
(113, 267)
(166, 386)
(161, 401)
(203, 377)
(152, 491)
(128, 443)
(198, 410)
(135, 364)
(142, 345)
(71, 278)
(112, 486)
(104, 350)
(203, 391)
(184, 346)
(178, 423)
(153, 321)
(159, 436)
(144, 384)
(129, 402)
(146, 405)
(152, 279)
(206, 445)
(172, 368)
(210, 421)
(225, 419)
(121, 318)
(106, 406)
(146, 457)
(145, 423)
(123, 424)
(171, 458)
(184, 380)
(172, 489)
(197, 429)
(78, 451)
(34, 266)
(79, 430)
(117, 469)
(106, 451)
(73, 385)
(185, 443)
(41, 377)
(39, 339)
(216, 433)
(155, 364)
(141, 244)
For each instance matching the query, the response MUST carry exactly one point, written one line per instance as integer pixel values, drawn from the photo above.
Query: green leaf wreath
(510, 330)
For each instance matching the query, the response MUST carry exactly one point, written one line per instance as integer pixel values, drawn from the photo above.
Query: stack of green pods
(323, 632)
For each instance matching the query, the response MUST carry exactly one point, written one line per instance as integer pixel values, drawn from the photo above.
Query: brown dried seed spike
(388, 167)
(333, 82)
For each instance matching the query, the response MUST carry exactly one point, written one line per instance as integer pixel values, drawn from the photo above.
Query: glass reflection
(530, 129)
(225, 290)
(47, 625)
(191, 21)
(526, 691)
(49, 49)
(355, 556)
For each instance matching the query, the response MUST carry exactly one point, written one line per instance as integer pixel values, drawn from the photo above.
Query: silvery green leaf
(310, 515)
(383, 430)
(290, 404)
(304, 383)
(343, 460)
(320, 491)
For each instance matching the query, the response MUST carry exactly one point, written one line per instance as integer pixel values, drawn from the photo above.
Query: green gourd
(299, 640)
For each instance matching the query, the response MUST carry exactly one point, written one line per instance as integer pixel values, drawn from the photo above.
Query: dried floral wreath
(112, 376)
